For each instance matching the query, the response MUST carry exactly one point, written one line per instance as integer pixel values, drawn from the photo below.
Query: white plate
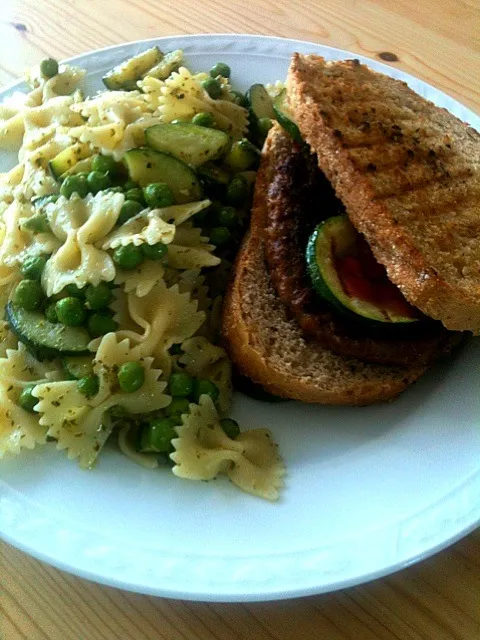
(368, 490)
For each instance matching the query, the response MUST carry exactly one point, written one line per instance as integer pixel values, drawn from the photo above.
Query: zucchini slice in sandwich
(344, 272)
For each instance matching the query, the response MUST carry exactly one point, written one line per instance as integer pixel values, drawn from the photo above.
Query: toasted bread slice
(297, 198)
(408, 174)
(271, 349)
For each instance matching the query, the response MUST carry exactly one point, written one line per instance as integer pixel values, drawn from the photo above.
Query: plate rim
(258, 595)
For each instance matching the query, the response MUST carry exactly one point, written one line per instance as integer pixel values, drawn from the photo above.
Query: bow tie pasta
(119, 223)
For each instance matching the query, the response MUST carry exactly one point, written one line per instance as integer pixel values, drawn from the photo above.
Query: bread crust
(270, 348)
(408, 173)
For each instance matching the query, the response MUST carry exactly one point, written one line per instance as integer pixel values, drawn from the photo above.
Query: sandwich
(361, 266)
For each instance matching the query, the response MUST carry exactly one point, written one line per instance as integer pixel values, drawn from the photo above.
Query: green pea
(226, 217)
(154, 251)
(158, 195)
(131, 376)
(99, 296)
(74, 291)
(135, 194)
(242, 156)
(33, 267)
(28, 295)
(157, 436)
(88, 385)
(98, 181)
(74, 184)
(176, 408)
(104, 164)
(130, 208)
(240, 99)
(38, 223)
(71, 311)
(231, 427)
(128, 257)
(263, 126)
(203, 119)
(220, 69)
(100, 323)
(237, 191)
(180, 385)
(51, 313)
(205, 387)
(49, 68)
(213, 88)
(26, 400)
(219, 236)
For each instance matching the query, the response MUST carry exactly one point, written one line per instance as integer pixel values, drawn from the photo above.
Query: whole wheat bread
(271, 349)
(408, 174)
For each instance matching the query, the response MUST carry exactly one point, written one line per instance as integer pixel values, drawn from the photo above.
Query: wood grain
(438, 599)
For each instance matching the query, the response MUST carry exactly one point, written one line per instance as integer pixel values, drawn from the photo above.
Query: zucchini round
(344, 272)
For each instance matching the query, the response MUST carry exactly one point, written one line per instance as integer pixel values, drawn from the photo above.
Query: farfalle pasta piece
(7, 339)
(199, 354)
(141, 280)
(180, 257)
(203, 451)
(81, 424)
(147, 227)
(19, 428)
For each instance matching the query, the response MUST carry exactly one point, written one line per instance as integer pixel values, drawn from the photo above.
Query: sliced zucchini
(41, 201)
(344, 272)
(170, 62)
(213, 174)
(260, 102)
(44, 339)
(125, 75)
(77, 367)
(145, 166)
(191, 143)
(81, 166)
(284, 116)
(68, 158)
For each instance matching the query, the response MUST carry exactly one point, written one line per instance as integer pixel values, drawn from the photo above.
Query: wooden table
(438, 599)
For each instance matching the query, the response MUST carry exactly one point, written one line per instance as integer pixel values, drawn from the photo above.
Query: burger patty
(299, 198)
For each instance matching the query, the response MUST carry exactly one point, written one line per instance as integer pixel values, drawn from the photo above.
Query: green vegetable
(78, 367)
(203, 119)
(28, 295)
(104, 164)
(71, 311)
(131, 377)
(75, 291)
(146, 166)
(176, 408)
(130, 184)
(100, 323)
(242, 156)
(220, 69)
(88, 385)
(231, 427)
(26, 400)
(128, 257)
(125, 75)
(157, 436)
(68, 158)
(130, 208)
(51, 313)
(158, 195)
(135, 194)
(41, 201)
(33, 267)
(98, 181)
(226, 217)
(285, 117)
(205, 387)
(213, 88)
(99, 296)
(263, 126)
(260, 102)
(237, 191)
(45, 340)
(38, 223)
(187, 141)
(74, 184)
(219, 236)
(240, 99)
(154, 251)
(180, 385)
(170, 62)
(49, 68)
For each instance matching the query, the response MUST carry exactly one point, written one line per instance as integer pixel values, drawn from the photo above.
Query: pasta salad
(118, 226)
